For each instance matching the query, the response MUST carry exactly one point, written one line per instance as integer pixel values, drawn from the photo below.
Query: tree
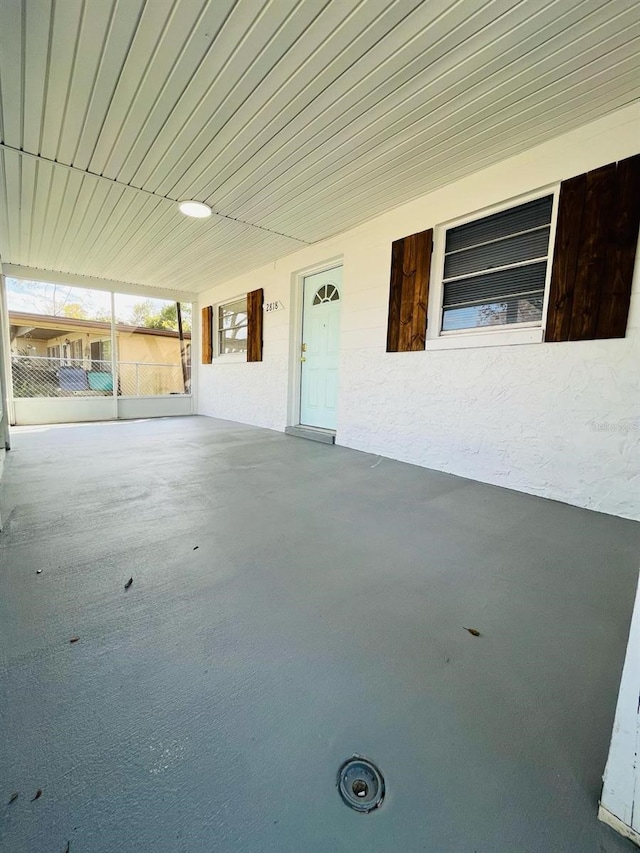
(57, 300)
(53, 299)
(144, 314)
(74, 310)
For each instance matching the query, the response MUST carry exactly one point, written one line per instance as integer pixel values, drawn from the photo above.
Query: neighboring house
(149, 360)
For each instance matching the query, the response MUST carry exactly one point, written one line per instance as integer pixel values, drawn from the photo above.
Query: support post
(114, 374)
(5, 370)
(183, 352)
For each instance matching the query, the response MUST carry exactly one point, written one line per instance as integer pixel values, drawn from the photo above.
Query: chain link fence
(40, 376)
(138, 379)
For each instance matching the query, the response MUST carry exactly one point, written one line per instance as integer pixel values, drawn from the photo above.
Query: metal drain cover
(361, 784)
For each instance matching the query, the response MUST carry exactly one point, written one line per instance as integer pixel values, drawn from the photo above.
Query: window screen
(495, 268)
(232, 327)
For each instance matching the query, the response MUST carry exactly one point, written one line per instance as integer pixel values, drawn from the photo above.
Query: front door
(320, 342)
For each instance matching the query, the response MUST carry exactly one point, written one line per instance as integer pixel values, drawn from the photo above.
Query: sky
(37, 297)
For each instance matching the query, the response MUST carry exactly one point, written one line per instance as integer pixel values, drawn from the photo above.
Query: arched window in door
(326, 293)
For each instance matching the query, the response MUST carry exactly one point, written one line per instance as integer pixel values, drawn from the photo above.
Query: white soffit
(94, 283)
(292, 119)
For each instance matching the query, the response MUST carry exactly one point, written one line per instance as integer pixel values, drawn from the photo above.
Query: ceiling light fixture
(195, 208)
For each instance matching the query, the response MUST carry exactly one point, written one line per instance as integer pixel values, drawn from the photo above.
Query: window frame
(75, 347)
(101, 360)
(229, 357)
(483, 336)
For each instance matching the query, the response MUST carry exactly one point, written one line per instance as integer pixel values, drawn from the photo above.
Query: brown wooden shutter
(254, 324)
(594, 255)
(409, 292)
(621, 251)
(207, 330)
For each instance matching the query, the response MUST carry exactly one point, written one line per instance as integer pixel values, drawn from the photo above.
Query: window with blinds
(495, 268)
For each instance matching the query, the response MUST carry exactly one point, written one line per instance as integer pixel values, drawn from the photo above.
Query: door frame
(295, 331)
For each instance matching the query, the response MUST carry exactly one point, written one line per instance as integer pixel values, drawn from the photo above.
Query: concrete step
(326, 436)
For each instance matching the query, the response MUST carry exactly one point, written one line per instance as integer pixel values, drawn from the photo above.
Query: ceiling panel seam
(146, 40)
(23, 64)
(407, 150)
(27, 186)
(384, 132)
(327, 87)
(45, 84)
(472, 161)
(330, 110)
(109, 203)
(89, 193)
(78, 201)
(194, 158)
(112, 181)
(141, 83)
(348, 143)
(173, 73)
(70, 81)
(371, 148)
(90, 148)
(96, 75)
(235, 50)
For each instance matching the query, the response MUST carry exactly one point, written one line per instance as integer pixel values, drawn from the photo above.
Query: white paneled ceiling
(293, 119)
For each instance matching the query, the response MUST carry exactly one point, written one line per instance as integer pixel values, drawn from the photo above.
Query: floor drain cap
(361, 784)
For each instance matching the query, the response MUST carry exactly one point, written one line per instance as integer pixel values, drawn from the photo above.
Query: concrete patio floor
(207, 709)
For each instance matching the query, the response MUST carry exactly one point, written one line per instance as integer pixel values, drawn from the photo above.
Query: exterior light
(195, 208)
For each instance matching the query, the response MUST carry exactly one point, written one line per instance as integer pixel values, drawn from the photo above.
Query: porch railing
(42, 376)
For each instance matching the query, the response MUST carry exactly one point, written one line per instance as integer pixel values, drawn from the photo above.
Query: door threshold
(326, 436)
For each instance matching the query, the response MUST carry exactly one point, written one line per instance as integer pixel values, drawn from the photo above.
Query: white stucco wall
(558, 420)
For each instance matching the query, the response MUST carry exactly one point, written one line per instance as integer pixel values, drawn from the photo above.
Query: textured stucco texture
(294, 603)
(558, 420)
